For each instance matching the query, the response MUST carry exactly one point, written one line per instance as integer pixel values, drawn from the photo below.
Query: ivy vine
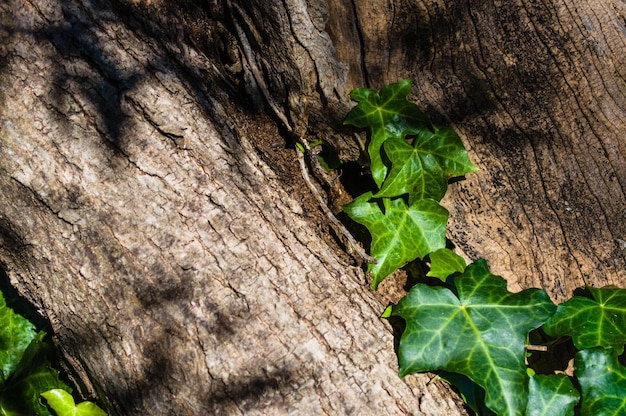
(470, 328)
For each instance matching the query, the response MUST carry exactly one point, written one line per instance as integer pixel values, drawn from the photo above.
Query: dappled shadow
(87, 76)
(477, 75)
(6, 33)
(247, 391)
(10, 239)
(102, 72)
(86, 67)
(242, 391)
(164, 353)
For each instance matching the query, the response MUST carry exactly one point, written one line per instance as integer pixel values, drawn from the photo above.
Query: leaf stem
(351, 244)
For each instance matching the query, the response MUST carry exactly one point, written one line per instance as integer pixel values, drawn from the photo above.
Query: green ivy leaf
(389, 115)
(480, 333)
(400, 233)
(33, 375)
(445, 262)
(63, 404)
(597, 322)
(16, 333)
(603, 382)
(422, 169)
(449, 150)
(412, 172)
(551, 395)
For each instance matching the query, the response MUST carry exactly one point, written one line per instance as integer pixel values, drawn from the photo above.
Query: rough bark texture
(179, 276)
(151, 212)
(536, 89)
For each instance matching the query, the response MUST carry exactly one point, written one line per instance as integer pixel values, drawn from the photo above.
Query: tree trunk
(181, 273)
(156, 216)
(536, 89)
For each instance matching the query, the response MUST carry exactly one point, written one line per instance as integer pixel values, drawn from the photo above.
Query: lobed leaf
(449, 150)
(602, 380)
(597, 322)
(551, 395)
(63, 404)
(422, 169)
(480, 333)
(33, 375)
(389, 115)
(445, 262)
(400, 233)
(16, 333)
(412, 172)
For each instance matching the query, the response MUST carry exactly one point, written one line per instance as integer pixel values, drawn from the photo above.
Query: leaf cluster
(475, 329)
(411, 162)
(470, 328)
(27, 375)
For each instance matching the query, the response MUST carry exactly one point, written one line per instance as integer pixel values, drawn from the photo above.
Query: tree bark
(536, 89)
(152, 212)
(180, 273)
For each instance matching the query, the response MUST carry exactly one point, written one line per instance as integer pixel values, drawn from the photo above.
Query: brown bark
(152, 213)
(536, 89)
(179, 272)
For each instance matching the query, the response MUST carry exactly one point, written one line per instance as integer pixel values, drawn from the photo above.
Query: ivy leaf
(422, 169)
(389, 115)
(445, 262)
(480, 333)
(33, 375)
(400, 233)
(63, 404)
(603, 382)
(597, 322)
(412, 172)
(551, 395)
(449, 150)
(16, 333)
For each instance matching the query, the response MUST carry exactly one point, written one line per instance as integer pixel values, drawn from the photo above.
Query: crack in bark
(362, 48)
(252, 65)
(177, 139)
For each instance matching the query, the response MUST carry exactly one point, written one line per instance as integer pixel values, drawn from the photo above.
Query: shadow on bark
(478, 76)
(19, 304)
(87, 70)
(102, 77)
(245, 391)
